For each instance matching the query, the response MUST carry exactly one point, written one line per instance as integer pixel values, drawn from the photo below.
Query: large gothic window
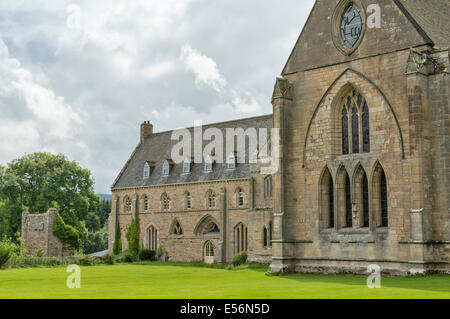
(362, 197)
(240, 233)
(326, 200)
(356, 136)
(152, 238)
(380, 197)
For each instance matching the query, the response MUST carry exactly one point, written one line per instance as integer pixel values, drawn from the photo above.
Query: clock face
(351, 25)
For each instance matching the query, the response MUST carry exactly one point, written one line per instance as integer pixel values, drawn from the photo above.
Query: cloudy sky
(78, 77)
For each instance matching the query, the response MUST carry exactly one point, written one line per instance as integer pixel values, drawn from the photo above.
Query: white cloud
(32, 114)
(84, 90)
(204, 68)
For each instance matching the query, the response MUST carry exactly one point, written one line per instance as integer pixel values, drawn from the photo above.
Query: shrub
(39, 253)
(129, 257)
(5, 254)
(67, 234)
(108, 259)
(84, 260)
(147, 255)
(27, 261)
(239, 259)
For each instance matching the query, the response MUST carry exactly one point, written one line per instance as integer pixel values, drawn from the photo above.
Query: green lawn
(194, 281)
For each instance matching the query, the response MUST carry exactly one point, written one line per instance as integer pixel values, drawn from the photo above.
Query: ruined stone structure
(37, 233)
(363, 111)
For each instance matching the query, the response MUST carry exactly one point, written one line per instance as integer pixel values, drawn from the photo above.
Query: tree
(39, 181)
(104, 209)
(132, 236)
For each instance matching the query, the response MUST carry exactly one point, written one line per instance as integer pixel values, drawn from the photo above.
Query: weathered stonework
(37, 233)
(387, 205)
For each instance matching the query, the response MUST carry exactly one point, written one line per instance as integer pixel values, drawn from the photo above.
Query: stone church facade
(362, 107)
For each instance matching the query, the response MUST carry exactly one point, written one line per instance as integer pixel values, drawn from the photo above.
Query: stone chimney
(146, 130)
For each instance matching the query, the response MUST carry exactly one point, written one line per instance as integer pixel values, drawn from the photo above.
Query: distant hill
(106, 196)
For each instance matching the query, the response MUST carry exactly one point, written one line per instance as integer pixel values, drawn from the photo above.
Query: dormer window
(187, 165)
(166, 168)
(231, 161)
(208, 165)
(147, 170)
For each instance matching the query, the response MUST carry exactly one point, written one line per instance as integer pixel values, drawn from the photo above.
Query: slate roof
(158, 147)
(431, 17)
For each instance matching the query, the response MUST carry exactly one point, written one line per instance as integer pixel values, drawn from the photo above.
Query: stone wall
(37, 233)
(189, 246)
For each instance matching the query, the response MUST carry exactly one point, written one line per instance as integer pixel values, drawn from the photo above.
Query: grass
(195, 281)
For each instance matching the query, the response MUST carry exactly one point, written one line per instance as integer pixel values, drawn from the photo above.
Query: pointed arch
(361, 191)
(210, 197)
(187, 200)
(127, 204)
(326, 199)
(151, 237)
(175, 228)
(343, 88)
(343, 204)
(165, 202)
(207, 225)
(241, 236)
(380, 194)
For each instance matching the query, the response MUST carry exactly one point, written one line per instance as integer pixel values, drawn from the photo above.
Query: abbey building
(362, 110)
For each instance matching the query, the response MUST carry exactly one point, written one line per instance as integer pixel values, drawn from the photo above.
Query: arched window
(366, 129)
(165, 202)
(355, 130)
(145, 203)
(211, 199)
(166, 168)
(231, 161)
(207, 225)
(362, 197)
(240, 233)
(380, 197)
(188, 200)
(127, 205)
(326, 198)
(265, 237)
(239, 197)
(177, 230)
(147, 170)
(384, 201)
(209, 249)
(355, 107)
(345, 148)
(270, 234)
(208, 165)
(343, 199)
(268, 187)
(208, 252)
(348, 203)
(187, 163)
(152, 238)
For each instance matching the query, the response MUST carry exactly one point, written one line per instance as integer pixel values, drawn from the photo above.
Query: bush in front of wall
(239, 259)
(147, 255)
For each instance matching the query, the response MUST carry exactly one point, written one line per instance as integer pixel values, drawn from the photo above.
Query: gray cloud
(83, 89)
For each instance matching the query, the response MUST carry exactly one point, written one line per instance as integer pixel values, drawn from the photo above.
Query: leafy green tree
(92, 222)
(132, 236)
(104, 209)
(39, 181)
